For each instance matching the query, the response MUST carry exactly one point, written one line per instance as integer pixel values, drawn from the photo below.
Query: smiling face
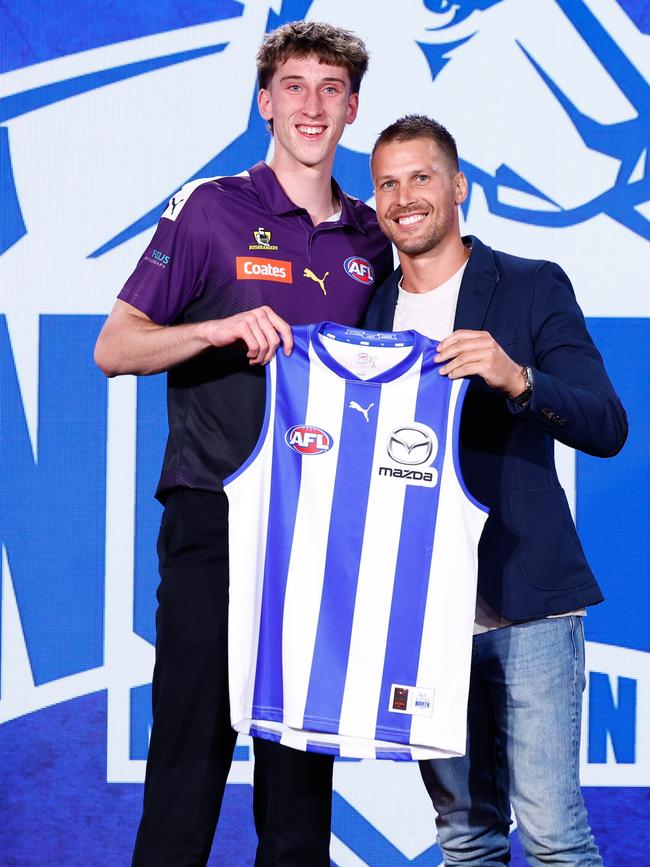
(417, 193)
(309, 103)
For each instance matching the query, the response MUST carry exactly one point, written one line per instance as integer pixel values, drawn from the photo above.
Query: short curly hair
(331, 45)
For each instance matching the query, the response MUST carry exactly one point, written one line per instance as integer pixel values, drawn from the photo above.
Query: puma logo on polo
(309, 274)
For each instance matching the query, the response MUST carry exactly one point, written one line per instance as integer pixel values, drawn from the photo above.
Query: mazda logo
(409, 445)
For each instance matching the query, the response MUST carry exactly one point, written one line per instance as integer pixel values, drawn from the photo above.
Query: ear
(460, 188)
(353, 108)
(265, 103)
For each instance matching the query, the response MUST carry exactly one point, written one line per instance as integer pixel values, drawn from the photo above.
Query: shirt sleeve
(173, 269)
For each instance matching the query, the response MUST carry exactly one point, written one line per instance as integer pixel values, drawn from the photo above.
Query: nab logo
(308, 440)
(360, 270)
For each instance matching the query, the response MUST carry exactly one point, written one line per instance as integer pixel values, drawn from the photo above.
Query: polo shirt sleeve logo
(255, 268)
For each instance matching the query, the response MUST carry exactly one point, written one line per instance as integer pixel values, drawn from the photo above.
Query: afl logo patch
(308, 440)
(360, 270)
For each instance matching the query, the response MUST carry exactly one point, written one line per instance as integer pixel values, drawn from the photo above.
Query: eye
(331, 89)
(388, 185)
(294, 88)
(422, 179)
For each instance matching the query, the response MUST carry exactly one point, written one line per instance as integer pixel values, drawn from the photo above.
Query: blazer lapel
(477, 287)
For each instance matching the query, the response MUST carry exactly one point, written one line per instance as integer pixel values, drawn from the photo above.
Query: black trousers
(191, 740)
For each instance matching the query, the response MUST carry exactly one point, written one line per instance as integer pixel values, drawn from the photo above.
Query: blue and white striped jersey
(353, 553)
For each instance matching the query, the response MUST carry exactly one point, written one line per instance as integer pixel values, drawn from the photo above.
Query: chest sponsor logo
(412, 447)
(254, 268)
(308, 440)
(262, 240)
(360, 270)
(409, 445)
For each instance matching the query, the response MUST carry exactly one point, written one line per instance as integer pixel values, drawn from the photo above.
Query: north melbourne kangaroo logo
(311, 276)
(364, 412)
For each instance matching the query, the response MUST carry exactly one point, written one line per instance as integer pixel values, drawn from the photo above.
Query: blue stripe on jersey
(414, 559)
(321, 747)
(292, 388)
(394, 755)
(258, 731)
(344, 543)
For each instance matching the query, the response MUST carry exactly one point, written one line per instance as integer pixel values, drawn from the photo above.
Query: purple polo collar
(275, 200)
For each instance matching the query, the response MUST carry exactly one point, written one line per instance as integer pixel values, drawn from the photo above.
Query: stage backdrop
(106, 110)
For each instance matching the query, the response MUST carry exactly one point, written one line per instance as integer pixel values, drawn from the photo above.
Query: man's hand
(476, 353)
(261, 329)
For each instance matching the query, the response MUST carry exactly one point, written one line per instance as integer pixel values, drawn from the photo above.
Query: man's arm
(573, 399)
(131, 342)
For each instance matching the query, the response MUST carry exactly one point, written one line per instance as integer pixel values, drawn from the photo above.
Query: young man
(234, 262)
(514, 327)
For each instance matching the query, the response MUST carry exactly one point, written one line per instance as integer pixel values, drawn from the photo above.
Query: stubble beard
(439, 228)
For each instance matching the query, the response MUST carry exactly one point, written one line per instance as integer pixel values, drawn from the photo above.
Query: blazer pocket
(548, 550)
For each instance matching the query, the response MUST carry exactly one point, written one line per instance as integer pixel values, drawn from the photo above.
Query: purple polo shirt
(228, 245)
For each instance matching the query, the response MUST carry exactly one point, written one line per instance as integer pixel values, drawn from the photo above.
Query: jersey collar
(346, 334)
(275, 200)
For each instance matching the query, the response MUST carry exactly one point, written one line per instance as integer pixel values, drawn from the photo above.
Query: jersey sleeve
(172, 271)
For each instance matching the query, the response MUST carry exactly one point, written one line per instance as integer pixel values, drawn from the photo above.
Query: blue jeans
(525, 704)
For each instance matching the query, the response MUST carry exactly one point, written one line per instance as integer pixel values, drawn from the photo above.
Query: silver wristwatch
(526, 394)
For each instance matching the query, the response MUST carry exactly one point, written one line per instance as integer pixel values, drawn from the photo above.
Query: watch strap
(526, 394)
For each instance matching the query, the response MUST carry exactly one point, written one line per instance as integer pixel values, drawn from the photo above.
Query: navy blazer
(531, 562)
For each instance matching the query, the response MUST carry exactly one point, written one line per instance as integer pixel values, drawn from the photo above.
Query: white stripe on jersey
(246, 603)
(449, 616)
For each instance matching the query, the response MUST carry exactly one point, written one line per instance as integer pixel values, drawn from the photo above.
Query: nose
(405, 196)
(312, 106)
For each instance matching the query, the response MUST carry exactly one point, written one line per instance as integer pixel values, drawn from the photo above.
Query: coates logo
(254, 268)
(308, 440)
(360, 270)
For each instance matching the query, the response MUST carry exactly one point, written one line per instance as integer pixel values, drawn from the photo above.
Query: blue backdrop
(105, 112)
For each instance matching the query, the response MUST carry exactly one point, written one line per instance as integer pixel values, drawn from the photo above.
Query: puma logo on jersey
(364, 412)
(309, 274)
(174, 204)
